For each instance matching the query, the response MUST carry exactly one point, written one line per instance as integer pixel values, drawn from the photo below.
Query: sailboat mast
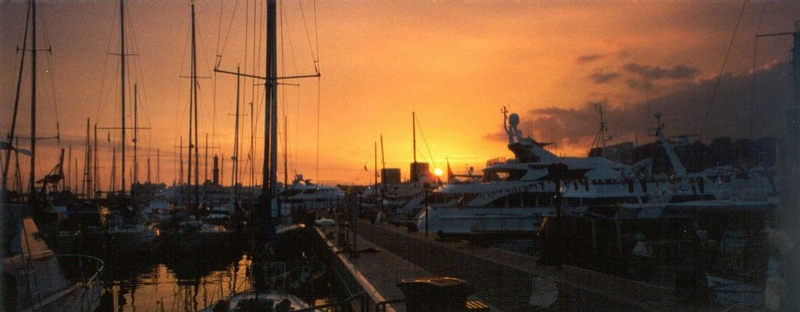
(270, 133)
(122, 86)
(252, 150)
(383, 164)
(158, 166)
(10, 136)
(286, 157)
(236, 142)
(205, 160)
(113, 169)
(32, 178)
(96, 186)
(135, 134)
(414, 144)
(87, 167)
(180, 161)
(194, 99)
(69, 168)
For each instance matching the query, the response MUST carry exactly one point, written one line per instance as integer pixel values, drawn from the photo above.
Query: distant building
(390, 175)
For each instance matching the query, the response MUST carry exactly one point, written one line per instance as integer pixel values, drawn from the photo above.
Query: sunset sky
(454, 63)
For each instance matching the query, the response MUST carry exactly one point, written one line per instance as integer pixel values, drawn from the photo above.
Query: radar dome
(513, 119)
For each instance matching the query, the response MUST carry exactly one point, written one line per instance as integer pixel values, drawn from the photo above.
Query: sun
(437, 172)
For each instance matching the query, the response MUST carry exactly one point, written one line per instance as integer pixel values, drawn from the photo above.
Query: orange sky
(454, 63)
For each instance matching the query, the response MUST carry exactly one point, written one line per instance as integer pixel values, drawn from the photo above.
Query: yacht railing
(86, 272)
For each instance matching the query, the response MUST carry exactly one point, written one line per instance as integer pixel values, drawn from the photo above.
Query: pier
(503, 280)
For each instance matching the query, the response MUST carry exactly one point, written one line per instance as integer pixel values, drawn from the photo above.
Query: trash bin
(446, 294)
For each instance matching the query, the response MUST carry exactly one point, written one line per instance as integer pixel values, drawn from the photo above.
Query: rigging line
(291, 48)
(246, 36)
(755, 61)
(419, 126)
(100, 106)
(721, 71)
(228, 32)
(308, 36)
(52, 83)
(180, 103)
(316, 35)
(258, 31)
(219, 29)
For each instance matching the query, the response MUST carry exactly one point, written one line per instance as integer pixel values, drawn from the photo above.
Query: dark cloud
(583, 59)
(639, 84)
(738, 111)
(600, 77)
(656, 72)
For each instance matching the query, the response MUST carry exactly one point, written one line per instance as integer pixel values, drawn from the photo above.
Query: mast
(235, 158)
(96, 186)
(376, 166)
(205, 160)
(10, 136)
(69, 167)
(286, 158)
(135, 134)
(270, 133)
(87, 167)
(414, 143)
(180, 161)
(383, 164)
(194, 98)
(122, 86)
(158, 166)
(113, 169)
(414, 134)
(32, 178)
(252, 150)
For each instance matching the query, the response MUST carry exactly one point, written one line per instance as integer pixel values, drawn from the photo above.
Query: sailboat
(128, 235)
(267, 296)
(34, 277)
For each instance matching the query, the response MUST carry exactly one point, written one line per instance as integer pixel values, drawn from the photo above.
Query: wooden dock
(504, 280)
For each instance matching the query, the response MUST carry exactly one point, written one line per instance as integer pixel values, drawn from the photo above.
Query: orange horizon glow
(455, 65)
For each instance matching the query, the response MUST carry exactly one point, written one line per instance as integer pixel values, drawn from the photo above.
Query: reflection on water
(170, 279)
(187, 283)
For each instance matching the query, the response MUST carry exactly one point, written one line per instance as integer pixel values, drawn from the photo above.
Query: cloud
(656, 72)
(587, 58)
(739, 111)
(600, 77)
(639, 84)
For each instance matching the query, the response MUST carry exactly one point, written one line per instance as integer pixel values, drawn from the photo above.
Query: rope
(721, 71)
(755, 60)
(426, 144)
(50, 68)
(228, 32)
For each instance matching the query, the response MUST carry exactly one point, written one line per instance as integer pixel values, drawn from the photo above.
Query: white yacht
(515, 195)
(303, 193)
(35, 278)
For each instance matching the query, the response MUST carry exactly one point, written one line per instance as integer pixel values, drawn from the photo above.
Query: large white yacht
(515, 195)
(303, 193)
